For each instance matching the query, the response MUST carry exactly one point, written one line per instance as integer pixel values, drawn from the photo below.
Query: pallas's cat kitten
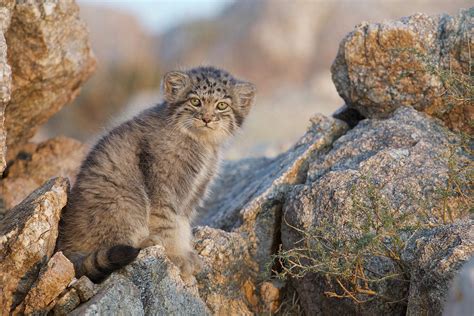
(140, 184)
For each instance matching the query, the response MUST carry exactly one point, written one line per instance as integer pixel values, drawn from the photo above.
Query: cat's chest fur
(184, 170)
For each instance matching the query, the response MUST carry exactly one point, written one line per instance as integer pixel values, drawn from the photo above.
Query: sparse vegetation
(379, 230)
(456, 196)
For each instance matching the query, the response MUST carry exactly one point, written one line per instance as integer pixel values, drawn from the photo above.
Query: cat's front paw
(189, 264)
(196, 262)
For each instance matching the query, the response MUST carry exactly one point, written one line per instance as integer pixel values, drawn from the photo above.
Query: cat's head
(207, 102)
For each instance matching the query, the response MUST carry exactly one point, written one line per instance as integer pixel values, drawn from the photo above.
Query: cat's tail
(99, 264)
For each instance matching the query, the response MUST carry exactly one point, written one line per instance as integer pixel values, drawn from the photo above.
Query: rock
(383, 169)
(151, 285)
(434, 257)
(27, 239)
(409, 62)
(36, 163)
(84, 288)
(461, 295)
(227, 267)
(118, 296)
(50, 57)
(53, 279)
(162, 289)
(67, 303)
(271, 296)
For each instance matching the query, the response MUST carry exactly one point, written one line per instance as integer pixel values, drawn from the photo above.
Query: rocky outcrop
(379, 179)
(27, 240)
(33, 164)
(45, 57)
(434, 257)
(253, 37)
(420, 61)
(330, 182)
(49, 57)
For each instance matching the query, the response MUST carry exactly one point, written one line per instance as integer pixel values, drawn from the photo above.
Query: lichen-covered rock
(461, 295)
(151, 285)
(50, 57)
(374, 180)
(270, 294)
(53, 279)
(410, 62)
(27, 239)
(434, 257)
(36, 163)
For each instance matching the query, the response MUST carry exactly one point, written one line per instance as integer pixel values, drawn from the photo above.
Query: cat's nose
(206, 119)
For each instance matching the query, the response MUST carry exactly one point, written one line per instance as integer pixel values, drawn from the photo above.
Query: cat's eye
(195, 102)
(221, 106)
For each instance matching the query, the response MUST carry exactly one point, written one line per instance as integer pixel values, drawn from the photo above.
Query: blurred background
(285, 47)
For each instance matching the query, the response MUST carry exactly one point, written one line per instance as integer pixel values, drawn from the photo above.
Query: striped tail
(99, 264)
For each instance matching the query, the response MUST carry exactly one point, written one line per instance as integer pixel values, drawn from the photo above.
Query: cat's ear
(174, 84)
(245, 92)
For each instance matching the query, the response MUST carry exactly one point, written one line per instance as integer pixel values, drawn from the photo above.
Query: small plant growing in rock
(456, 196)
(343, 256)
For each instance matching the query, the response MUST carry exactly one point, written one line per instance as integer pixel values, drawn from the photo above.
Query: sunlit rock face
(420, 61)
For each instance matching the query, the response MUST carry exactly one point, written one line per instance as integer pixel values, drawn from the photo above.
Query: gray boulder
(246, 201)
(363, 199)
